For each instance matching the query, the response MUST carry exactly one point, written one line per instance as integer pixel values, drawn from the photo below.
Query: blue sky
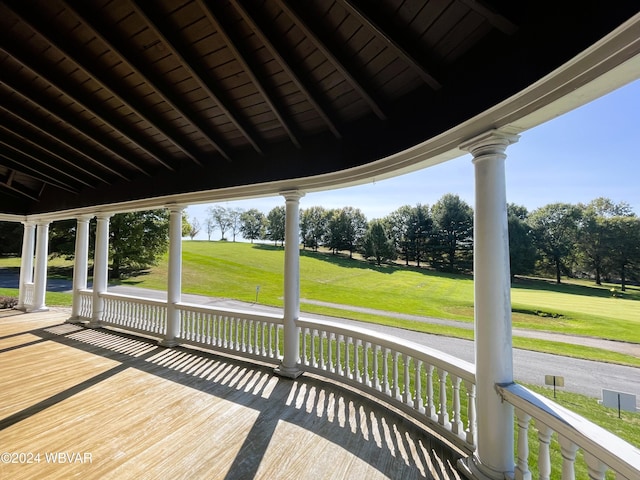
(590, 152)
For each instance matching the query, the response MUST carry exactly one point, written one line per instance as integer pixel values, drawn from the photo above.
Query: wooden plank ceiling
(112, 100)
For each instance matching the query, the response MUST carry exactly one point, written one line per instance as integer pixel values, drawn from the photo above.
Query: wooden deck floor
(100, 404)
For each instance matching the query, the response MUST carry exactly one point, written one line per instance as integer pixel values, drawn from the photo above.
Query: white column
(26, 262)
(100, 268)
(174, 283)
(289, 366)
(80, 263)
(40, 272)
(494, 457)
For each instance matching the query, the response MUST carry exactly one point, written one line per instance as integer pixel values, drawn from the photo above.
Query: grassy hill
(234, 270)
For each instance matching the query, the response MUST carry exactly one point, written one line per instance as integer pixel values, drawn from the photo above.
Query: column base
(94, 324)
(289, 372)
(472, 469)
(74, 320)
(43, 308)
(169, 342)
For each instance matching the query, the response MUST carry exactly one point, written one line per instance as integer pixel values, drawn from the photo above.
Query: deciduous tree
(253, 224)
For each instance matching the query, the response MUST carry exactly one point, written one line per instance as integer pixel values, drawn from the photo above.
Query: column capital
(85, 218)
(103, 215)
(292, 195)
(175, 207)
(493, 142)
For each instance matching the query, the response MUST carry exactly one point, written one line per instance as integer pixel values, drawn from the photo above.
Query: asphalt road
(580, 376)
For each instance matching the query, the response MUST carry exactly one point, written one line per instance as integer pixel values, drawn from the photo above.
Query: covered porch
(122, 106)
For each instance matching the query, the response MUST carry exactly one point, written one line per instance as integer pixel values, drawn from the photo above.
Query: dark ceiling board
(310, 28)
(250, 66)
(44, 151)
(87, 103)
(278, 50)
(99, 75)
(191, 64)
(401, 48)
(71, 123)
(62, 139)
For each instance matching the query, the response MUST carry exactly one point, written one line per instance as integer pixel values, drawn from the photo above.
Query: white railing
(602, 450)
(437, 389)
(433, 387)
(86, 304)
(241, 332)
(138, 314)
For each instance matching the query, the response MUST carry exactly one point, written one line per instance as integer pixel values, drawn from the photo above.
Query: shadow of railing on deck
(355, 423)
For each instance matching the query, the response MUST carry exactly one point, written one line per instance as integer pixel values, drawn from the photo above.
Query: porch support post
(494, 457)
(80, 264)
(26, 262)
(40, 273)
(100, 268)
(174, 285)
(289, 366)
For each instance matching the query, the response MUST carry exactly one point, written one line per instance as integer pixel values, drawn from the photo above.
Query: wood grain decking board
(137, 410)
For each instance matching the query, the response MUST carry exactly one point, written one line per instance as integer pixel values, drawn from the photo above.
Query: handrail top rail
(144, 300)
(453, 365)
(272, 317)
(615, 452)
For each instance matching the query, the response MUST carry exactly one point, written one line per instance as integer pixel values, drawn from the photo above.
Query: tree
(220, 217)
(453, 228)
(194, 228)
(136, 240)
(596, 235)
(253, 224)
(522, 251)
(11, 238)
(346, 229)
(313, 225)
(235, 221)
(398, 223)
(376, 243)
(210, 224)
(624, 243)
(419, 230)
(186, 226)
(555, 229)
(276, 224)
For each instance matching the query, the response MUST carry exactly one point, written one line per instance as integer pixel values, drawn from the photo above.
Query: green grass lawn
(234, 270)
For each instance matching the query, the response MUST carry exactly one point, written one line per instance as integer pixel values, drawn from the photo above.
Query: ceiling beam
(84, 11)
(73, 53)
(46, 150)
(293, 11)
(167, 35)
(9, 184)
(10, 161)
(69, 120)
(46, 131)
(235, 46)
(262, 30)
(496, 20)
(402, 50)
(10, 156)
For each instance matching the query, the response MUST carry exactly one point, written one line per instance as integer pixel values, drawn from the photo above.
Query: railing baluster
(472, 425)
(406, 395)
(456, 426)
(417, 397)
(596, 468)
(385, 371)
(322, 342)
(443, 414)
(376, 370)
(431, 408)
(522, 462)
(568, 450)
(356, 361)
(365, 363)
(544, 454)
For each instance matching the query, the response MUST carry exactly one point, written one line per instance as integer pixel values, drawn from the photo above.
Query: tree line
(598, 240)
